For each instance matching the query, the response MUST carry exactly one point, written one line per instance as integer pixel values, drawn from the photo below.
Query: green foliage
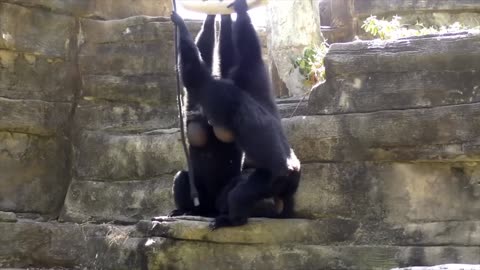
(310, 63)
(381, 28)
(393, 29)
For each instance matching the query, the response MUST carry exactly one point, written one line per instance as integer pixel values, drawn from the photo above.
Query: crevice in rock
(33, 100)
(14, 50)
(11, 132)
(154, 178)
(396, 110)
(69, 128)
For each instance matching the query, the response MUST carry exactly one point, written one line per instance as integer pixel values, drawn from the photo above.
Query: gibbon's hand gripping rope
(191, 180)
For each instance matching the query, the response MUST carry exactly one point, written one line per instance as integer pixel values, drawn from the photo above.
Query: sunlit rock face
(71, 71)
(293, 25)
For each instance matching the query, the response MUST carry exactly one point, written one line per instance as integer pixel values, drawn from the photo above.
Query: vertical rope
(193, 188)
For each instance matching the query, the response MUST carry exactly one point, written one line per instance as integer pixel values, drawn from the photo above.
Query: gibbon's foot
(225, 221)
(177, 212)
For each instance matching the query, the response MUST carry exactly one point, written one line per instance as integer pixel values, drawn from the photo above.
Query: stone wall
(124, 113)
(407, 108)
(37, 92)
(73, 84)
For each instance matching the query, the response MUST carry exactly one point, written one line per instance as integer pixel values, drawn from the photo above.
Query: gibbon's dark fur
(245, 106)
(214, 163)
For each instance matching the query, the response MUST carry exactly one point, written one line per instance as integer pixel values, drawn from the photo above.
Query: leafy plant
(381, 28)
(394, 29)
(310, 63)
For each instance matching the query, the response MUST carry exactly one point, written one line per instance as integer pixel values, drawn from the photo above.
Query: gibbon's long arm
(216, 6)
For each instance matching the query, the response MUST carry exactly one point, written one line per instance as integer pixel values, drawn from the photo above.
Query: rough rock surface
(122, 201)
(7, 217)
(35, 106)
(126, 153)
(438, 134)
(131, 50)
(401, 74)
(287, 19)
(87, 135)
(101, 9)
(112, 157)
(174, 244)
(367, 7)
(31, 167)
(51, 244)
(443, 267)
(170, 254)
(395, 192)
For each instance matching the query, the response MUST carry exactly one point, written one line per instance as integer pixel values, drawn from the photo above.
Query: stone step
(434, 134)
(262, 244)
(36, 268)
(123, 177)
(290, 244)
(420, 72)
(7, 217)
(398, 192)
(292, 107)
(367, 8)
(27, 243)
(443, 267)
(105, 163)
(44, 35)
(30, 166)
(121, 201)
(112, 157)
(257, 231)
(173, 254)
(100, 10)
(447, 133)
(33, 116)
(127, 78)
(326, 231)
